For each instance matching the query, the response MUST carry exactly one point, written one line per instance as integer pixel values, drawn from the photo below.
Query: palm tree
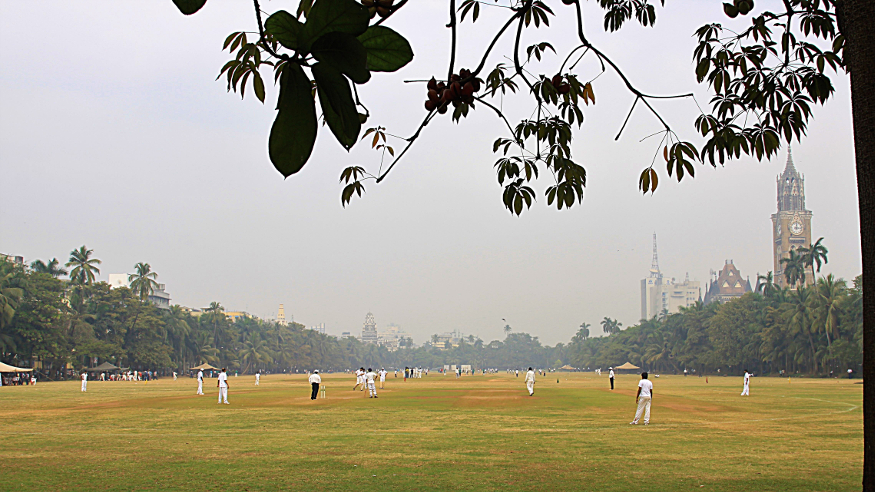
(582, 333)
(10, 294)
(766, 284)
(828, 296)
(51, 268)
(610, 326)
(815, 253)
(794, 268)
(507, 330)
(83, 266)
(143, 282)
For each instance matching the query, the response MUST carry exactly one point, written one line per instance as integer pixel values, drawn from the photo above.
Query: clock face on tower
(796, 226)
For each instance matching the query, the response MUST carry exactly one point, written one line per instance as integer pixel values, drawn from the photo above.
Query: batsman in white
(200, 381)
(530, 382)
(745, 391)
(370, 376)
(383, 373)
(223, 386)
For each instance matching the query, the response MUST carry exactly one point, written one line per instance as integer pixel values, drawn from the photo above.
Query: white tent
(8, 368)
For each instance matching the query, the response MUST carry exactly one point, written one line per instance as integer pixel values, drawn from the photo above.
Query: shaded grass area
(435, 433)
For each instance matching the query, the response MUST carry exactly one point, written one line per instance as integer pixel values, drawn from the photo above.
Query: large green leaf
(343, 52)
(285, 28)
(387, 50)
(338, 106)
(189, 7)
(334, 16)
(294, 130)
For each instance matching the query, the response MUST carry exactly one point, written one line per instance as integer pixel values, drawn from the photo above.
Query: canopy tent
(566, 367)
(627, 367)
(105, 367)
(205, 367)
(8, 368)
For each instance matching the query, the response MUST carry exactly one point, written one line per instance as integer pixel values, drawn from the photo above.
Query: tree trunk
(855, 22)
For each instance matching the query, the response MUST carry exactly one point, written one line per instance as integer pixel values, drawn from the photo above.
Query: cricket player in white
(359, 378)
(174, 375)
(315, 380)
(643, 398)
(84, 377)
(746, 390)
(383, 373)
(223, 386)
(370, 376)
(530, 382)
(257, 377)
(200, 382)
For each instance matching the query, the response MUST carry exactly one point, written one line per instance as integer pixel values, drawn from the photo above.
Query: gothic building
(369, 330)
(726, 285)
(791, 225)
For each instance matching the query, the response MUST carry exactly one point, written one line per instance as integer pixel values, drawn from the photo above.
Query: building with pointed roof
(660, 295)
(791, 225)
(369, 330)
(727, 285)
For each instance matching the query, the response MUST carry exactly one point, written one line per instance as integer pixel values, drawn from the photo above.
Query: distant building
(192, 311)
(160, 298)
(117, 280)
(791, 225)
(369, 330)
(345, 334)
(447, 339)
(319, 328)
(392, 337)
(663, 296)
(727, 285)
(281, 315)
(17, 260)
(235, 315)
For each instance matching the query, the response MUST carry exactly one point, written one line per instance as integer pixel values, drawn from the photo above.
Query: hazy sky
(114, 134)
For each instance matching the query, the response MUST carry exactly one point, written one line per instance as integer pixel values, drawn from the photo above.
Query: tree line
(813, 329)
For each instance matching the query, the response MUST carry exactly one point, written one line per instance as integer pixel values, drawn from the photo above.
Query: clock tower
(791, 226)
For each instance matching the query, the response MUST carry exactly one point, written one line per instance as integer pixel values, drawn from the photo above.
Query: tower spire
(654, 265)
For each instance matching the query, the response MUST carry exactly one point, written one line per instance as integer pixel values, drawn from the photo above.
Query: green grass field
(436, 433)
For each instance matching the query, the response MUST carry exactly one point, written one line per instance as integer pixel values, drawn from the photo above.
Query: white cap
(316, 371)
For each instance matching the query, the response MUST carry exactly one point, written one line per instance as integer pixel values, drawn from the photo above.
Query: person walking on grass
(257, 377)
(200, 381)
(530, 382)
(315, 381)
(383, 373)
(745, 391)
(611, 376)
(370, 378)
(643, 399)
(222, 384)
(84, 377)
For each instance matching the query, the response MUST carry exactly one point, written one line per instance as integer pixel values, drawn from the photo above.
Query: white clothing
(223, 393)
(530, 385)
(530, 376)
(646, 389)
(371, 376)
(315, 378)
(643, 407)
(200, 382)
(174, 375)
(372, 388)
(746, 390)
(611, 374)
(383, 375)
(84, 380)
(223, 380)
(257, 378)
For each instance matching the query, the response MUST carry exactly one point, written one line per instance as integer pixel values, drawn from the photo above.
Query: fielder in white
(200, 382)
(257, 377)
(370, 376)
(383, 373)
(223, 386)
(643, 398)
(359, 379)
(746, 390)
(84, 377)
(174, 375)
(530, 382)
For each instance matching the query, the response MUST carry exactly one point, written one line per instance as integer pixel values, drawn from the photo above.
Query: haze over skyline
(115, 135)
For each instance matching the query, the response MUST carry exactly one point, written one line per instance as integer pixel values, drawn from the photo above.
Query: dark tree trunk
(856, 19)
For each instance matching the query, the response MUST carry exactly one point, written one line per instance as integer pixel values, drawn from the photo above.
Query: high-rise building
(369, 330)
(318, 328)
(660, 295)
(160, 298)
(791, 225)
(727, 284)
